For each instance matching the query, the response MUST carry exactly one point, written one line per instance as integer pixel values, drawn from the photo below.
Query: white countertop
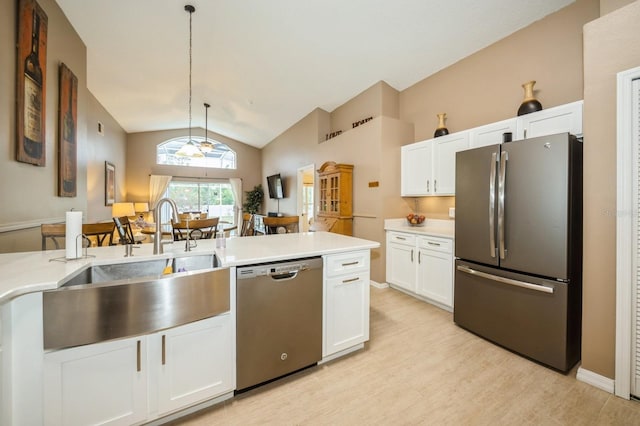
(433, 227)
(37, 271)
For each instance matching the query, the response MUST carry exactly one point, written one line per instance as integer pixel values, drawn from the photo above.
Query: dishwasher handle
(283, 276)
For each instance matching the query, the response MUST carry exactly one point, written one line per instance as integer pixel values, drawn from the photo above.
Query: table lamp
(122, 209)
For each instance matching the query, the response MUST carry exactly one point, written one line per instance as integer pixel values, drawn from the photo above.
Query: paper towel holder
(85, 246)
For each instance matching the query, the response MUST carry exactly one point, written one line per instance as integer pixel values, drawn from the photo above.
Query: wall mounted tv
(276, 186)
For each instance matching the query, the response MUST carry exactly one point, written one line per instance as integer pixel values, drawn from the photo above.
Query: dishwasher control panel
(280, 268)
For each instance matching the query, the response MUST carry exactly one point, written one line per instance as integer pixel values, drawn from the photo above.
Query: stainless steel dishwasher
(279, 319)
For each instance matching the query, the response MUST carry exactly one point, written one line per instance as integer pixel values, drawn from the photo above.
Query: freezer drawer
(525, 314)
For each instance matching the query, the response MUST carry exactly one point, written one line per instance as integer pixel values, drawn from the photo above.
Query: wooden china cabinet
(335, 210)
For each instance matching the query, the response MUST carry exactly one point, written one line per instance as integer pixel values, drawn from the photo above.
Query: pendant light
(206, 146)
(190, 149)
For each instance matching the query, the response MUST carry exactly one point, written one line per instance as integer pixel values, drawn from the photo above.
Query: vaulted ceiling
(265, 64)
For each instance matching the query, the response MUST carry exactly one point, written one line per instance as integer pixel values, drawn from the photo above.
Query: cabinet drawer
(444, 245)
(402, 238)
(347, 263)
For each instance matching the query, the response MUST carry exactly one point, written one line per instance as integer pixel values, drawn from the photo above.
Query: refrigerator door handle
(504, 156)
(517, 283)
(492, 205)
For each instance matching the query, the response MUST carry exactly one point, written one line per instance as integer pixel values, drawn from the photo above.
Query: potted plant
(253, 199)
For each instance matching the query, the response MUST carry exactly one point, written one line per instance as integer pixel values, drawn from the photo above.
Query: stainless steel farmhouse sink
(106, 302)
(148, 268)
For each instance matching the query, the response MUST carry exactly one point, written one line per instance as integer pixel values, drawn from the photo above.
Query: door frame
(624, 228)
(300, 176)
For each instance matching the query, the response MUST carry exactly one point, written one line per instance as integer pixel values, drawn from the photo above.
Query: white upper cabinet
(444, 161)
(563, 118)
(417, 160)
(491, 134)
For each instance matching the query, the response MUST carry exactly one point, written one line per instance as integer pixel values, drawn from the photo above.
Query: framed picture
(109, 183)
(31, 83)
(67, 132)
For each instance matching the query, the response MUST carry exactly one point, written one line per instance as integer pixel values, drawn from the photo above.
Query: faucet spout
(157, 218)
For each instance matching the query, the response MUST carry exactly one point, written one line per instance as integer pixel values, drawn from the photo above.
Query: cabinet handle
(435, 185)
(419, 256)
(350, 280)
(350, 263)
(411, 255)
(427, 185)
(401, 238)
(164, 352)
(138, 357)
(433, 244)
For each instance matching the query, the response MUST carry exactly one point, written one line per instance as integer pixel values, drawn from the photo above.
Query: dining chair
(247, 225)
(280, 225)
(52, 231)
(102, 231)
(197, 229)
(123, 226)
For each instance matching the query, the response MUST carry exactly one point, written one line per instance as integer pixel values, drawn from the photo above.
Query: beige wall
(141, 156)
(608, 6)
(29, 193)
(611, 45)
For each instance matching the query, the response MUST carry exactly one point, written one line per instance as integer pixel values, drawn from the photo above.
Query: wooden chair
(103, 232)
(280, 225)
(198, 229)
(123, 226)
(52, 231)
(247, 225)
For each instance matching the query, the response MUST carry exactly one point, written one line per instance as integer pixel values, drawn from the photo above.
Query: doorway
(306, 181)
(627, 373)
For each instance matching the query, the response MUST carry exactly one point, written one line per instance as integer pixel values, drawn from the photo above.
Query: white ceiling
(265, 64)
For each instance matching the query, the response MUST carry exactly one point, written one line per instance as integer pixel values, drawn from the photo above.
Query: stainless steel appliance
(518, 276)
(279, 319)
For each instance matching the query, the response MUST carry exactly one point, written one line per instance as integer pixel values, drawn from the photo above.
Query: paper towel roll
(73, 228)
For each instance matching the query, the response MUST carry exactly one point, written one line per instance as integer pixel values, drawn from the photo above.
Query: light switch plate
(452, 212)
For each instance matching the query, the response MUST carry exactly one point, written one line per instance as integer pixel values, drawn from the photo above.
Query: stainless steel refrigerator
(518, 230)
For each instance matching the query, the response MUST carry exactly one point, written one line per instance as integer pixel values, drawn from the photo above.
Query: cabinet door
(435, 276)
(347, 312)
(401, 266)
(196, 363)
(416, 165)
(444, 162)
(560, 119)
(491, 134)
(96, 384)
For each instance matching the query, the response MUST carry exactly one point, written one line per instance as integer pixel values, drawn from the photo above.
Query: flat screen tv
(276, 186)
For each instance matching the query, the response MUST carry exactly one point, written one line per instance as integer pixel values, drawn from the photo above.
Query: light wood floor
(420, 368)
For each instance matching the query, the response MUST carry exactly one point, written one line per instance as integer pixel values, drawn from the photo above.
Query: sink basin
(106, 302)
(144, 269)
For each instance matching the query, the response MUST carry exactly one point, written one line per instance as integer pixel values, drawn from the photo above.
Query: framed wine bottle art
(31, 83)
(67, 132)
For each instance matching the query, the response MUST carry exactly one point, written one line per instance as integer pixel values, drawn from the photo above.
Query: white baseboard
(377, 284)
(594, 379)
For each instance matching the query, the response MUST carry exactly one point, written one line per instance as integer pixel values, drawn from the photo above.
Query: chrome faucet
(157, 218)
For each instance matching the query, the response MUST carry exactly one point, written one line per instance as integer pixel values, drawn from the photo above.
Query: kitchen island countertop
(30, 272)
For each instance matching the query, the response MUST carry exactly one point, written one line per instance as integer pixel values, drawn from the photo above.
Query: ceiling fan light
(206, 146)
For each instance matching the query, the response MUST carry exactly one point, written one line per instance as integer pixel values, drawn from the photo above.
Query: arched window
(197, 153)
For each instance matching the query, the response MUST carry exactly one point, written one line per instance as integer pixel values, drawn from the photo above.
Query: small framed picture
(109, 183)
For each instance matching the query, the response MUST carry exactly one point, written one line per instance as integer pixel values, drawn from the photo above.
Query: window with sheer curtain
(212, 197)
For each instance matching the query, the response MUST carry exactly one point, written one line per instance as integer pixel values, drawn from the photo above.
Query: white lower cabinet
(346, 312)
(118, 382)
(422, 266)
(104, 383)
(196, 363)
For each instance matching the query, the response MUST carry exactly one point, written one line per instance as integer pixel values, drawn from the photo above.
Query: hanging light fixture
(206, 146)
(190, 149)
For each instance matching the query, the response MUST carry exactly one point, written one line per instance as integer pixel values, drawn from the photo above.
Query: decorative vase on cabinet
(441, 130)
(530, 103)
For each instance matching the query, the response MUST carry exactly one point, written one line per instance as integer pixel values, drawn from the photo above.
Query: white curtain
(157, 186)
(236, 188)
